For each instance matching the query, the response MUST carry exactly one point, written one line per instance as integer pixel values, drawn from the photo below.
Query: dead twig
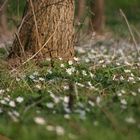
(21, 46)
(130, 30)
(36, 26)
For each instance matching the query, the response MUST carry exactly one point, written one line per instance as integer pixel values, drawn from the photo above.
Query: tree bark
(98, 18)
(46, 28)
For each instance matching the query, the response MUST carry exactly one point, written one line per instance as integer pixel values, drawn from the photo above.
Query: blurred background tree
(86, 14)
(3, 18)
(98, 15)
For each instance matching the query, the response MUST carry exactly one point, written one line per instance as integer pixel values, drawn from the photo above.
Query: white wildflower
(127, 63)
(50, 105)
(72, 136)
(41, 79)
(3, 102)
(70, 70)
(87, 60)
(81, 50)
(91, 103)
(98, 100)
(130, 120)
(2, 91)
(121, 78)
(118, 64)
(49, 71)
(62, 65)
(104, 66)
(16, 113)
(40, 120)
(123, 101)
(60, 130)
(114, 77)
(17, 79)
(130, 79)
(14, 118)
(38, 86)
(87, 109)
(48, 59)
(19, 99)
(80, 85)
(36, 81)
(35, 73)
(54, 112)
(123, 91)
(101, 61)
(95, 123)
(66, 99)
(51, 94)
(93, 51)
(81, 105)
(32, 77)
(66, 87)
(50, 128)
(67, 110)
(123, 106)
(6, 99)
(70, 62)
(84, 73)
(38, 111)
(132, 74)
(138, 78)
(12, 104)
(127, 71)
(82, 114)
(91, 75)
(67, 116)
(7, 89)
(90, 84)
(55, 98)
(134, 93)
(60, 58)
(119, 94)
(76, 58)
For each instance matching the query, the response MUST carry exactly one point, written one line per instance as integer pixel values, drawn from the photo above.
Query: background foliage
(112, 14)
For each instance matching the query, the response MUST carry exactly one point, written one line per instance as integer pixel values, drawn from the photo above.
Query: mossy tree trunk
(46, 27)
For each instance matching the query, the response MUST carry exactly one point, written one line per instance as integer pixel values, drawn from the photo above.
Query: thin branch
(22, 48)
(36, 26)
(130, 30)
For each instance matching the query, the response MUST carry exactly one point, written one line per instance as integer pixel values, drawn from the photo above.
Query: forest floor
(94, 97)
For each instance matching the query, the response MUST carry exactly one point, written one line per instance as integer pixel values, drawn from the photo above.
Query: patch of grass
(90, 98)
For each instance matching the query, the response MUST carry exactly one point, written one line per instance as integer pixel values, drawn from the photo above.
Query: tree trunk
(46, 29)
(98, 17)
(81, 9)
(3, 20)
